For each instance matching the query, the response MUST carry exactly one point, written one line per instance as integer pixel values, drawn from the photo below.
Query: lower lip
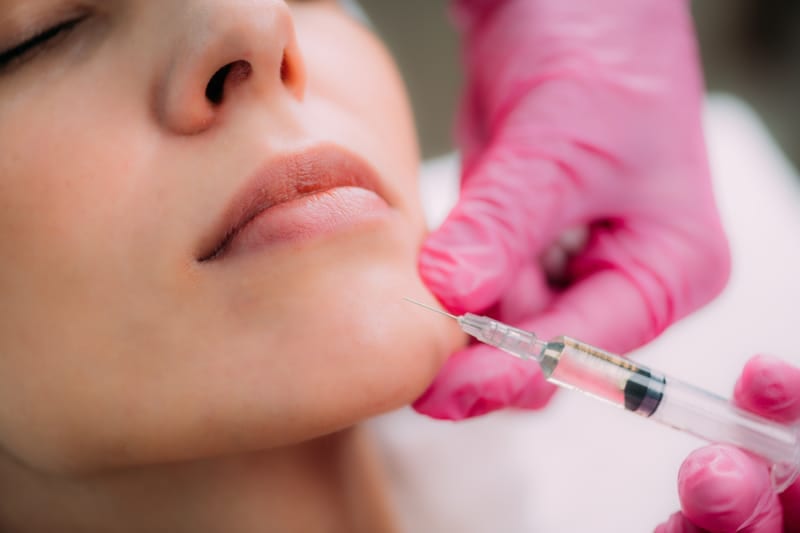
(315, 215)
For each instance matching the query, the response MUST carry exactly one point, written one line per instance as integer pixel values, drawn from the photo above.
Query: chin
(308, 338)
(334, 318)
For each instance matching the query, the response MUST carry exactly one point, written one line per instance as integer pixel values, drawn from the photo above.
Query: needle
(428, 307)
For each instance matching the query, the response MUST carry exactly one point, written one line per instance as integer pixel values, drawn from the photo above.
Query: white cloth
(583, 466)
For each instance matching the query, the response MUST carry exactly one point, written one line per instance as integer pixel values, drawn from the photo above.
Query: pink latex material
(723, 489)
(580, 113)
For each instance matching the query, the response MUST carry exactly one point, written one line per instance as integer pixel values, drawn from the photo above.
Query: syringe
(623, 383)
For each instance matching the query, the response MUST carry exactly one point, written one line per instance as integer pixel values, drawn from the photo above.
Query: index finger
(770, 387)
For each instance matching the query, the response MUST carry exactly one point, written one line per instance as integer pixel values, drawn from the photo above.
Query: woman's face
(208, 218)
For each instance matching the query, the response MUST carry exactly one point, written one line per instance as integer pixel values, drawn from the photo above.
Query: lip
(295, 196)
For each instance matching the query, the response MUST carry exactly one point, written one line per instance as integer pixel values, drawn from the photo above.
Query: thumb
(480, 379)
(504, 218)
(723, 489)
(633, 280)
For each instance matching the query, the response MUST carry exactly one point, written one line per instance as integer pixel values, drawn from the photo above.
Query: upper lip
(285, 178)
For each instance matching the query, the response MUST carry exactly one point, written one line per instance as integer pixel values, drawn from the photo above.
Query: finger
(530, 295)
(635, 279)
(723, 489)
(480, 379)
(604, 310)
(769, 387)
(507, 214)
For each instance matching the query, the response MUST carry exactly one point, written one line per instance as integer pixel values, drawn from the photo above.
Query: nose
(226, 52)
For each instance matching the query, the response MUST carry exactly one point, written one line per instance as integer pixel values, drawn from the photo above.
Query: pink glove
(578, 113)
(723, 489)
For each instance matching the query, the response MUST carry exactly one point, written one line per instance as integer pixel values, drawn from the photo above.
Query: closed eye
(29, 47)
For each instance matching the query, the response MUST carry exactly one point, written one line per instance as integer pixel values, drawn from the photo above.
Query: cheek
(64, 176)
(69, 227)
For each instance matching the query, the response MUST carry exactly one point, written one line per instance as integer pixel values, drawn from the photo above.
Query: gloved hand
(577, 113)
(723, 489)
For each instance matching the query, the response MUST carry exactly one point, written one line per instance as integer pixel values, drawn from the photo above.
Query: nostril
(285, 72)
(214, 89)
(290, 73)
(228, 76)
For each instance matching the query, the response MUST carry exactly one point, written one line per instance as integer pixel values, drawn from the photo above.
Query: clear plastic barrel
(621, 382)
(715, 419)
(601, 374)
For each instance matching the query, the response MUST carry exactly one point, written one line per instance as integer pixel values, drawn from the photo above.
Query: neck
(330, 484)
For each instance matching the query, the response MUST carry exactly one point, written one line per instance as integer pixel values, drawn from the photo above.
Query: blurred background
(750, 48)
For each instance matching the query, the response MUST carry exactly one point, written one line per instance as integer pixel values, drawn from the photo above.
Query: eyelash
(26, 49)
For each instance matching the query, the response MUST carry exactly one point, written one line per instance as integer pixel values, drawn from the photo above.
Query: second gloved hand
(584, 113)
(724, 489)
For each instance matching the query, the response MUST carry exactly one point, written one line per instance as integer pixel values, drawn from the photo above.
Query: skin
(142, 389)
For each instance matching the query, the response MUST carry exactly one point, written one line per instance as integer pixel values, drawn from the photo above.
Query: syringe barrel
(716, 419)
(577, 365)
(573, 364)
